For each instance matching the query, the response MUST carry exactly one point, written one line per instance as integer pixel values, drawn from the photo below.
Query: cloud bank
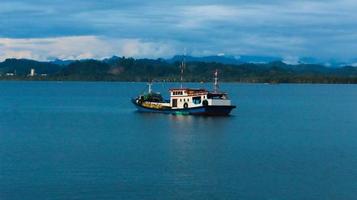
(87, 28)
(80, 47)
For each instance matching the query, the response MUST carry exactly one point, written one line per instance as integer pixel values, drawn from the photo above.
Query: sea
(86, 141)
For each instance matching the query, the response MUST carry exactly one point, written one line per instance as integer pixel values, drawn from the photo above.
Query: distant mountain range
(264, 60)
(242, 69)
(236, 60)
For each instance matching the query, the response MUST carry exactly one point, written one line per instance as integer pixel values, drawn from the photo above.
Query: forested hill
(129, 69)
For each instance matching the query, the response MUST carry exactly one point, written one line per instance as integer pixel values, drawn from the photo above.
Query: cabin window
(180, 100)
(177, 93)
(196, 100)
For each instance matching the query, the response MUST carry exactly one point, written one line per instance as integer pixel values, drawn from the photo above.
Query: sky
(80, 29)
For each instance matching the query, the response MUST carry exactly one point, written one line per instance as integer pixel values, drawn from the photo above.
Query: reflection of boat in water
(186, 101)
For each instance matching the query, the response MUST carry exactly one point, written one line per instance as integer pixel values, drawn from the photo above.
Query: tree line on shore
(130, 69)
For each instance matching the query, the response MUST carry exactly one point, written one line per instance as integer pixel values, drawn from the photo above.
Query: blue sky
(70, 29)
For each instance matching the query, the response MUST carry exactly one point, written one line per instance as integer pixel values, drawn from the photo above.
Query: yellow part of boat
(152, 105)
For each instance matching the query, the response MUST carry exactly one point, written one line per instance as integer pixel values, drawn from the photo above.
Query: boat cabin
(190, 98)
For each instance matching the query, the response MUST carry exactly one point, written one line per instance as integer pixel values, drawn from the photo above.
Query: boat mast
(182, 68)
(216, 81)
(150, 89)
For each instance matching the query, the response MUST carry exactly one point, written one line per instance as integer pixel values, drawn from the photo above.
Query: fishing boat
(186, 101)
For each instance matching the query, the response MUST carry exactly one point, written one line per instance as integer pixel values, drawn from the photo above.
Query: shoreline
(188, 82)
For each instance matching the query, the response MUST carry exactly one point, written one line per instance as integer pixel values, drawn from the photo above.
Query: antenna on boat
(182, 66)
(150, 89)
(216, 81)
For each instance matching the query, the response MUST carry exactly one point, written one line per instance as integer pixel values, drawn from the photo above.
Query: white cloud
(138, 48)
(291, 60)
(80, 47)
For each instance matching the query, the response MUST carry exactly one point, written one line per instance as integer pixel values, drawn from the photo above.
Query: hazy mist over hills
(228, 59)
(265, 59)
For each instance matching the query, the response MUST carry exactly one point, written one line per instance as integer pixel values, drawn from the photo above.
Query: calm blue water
(78, 140)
